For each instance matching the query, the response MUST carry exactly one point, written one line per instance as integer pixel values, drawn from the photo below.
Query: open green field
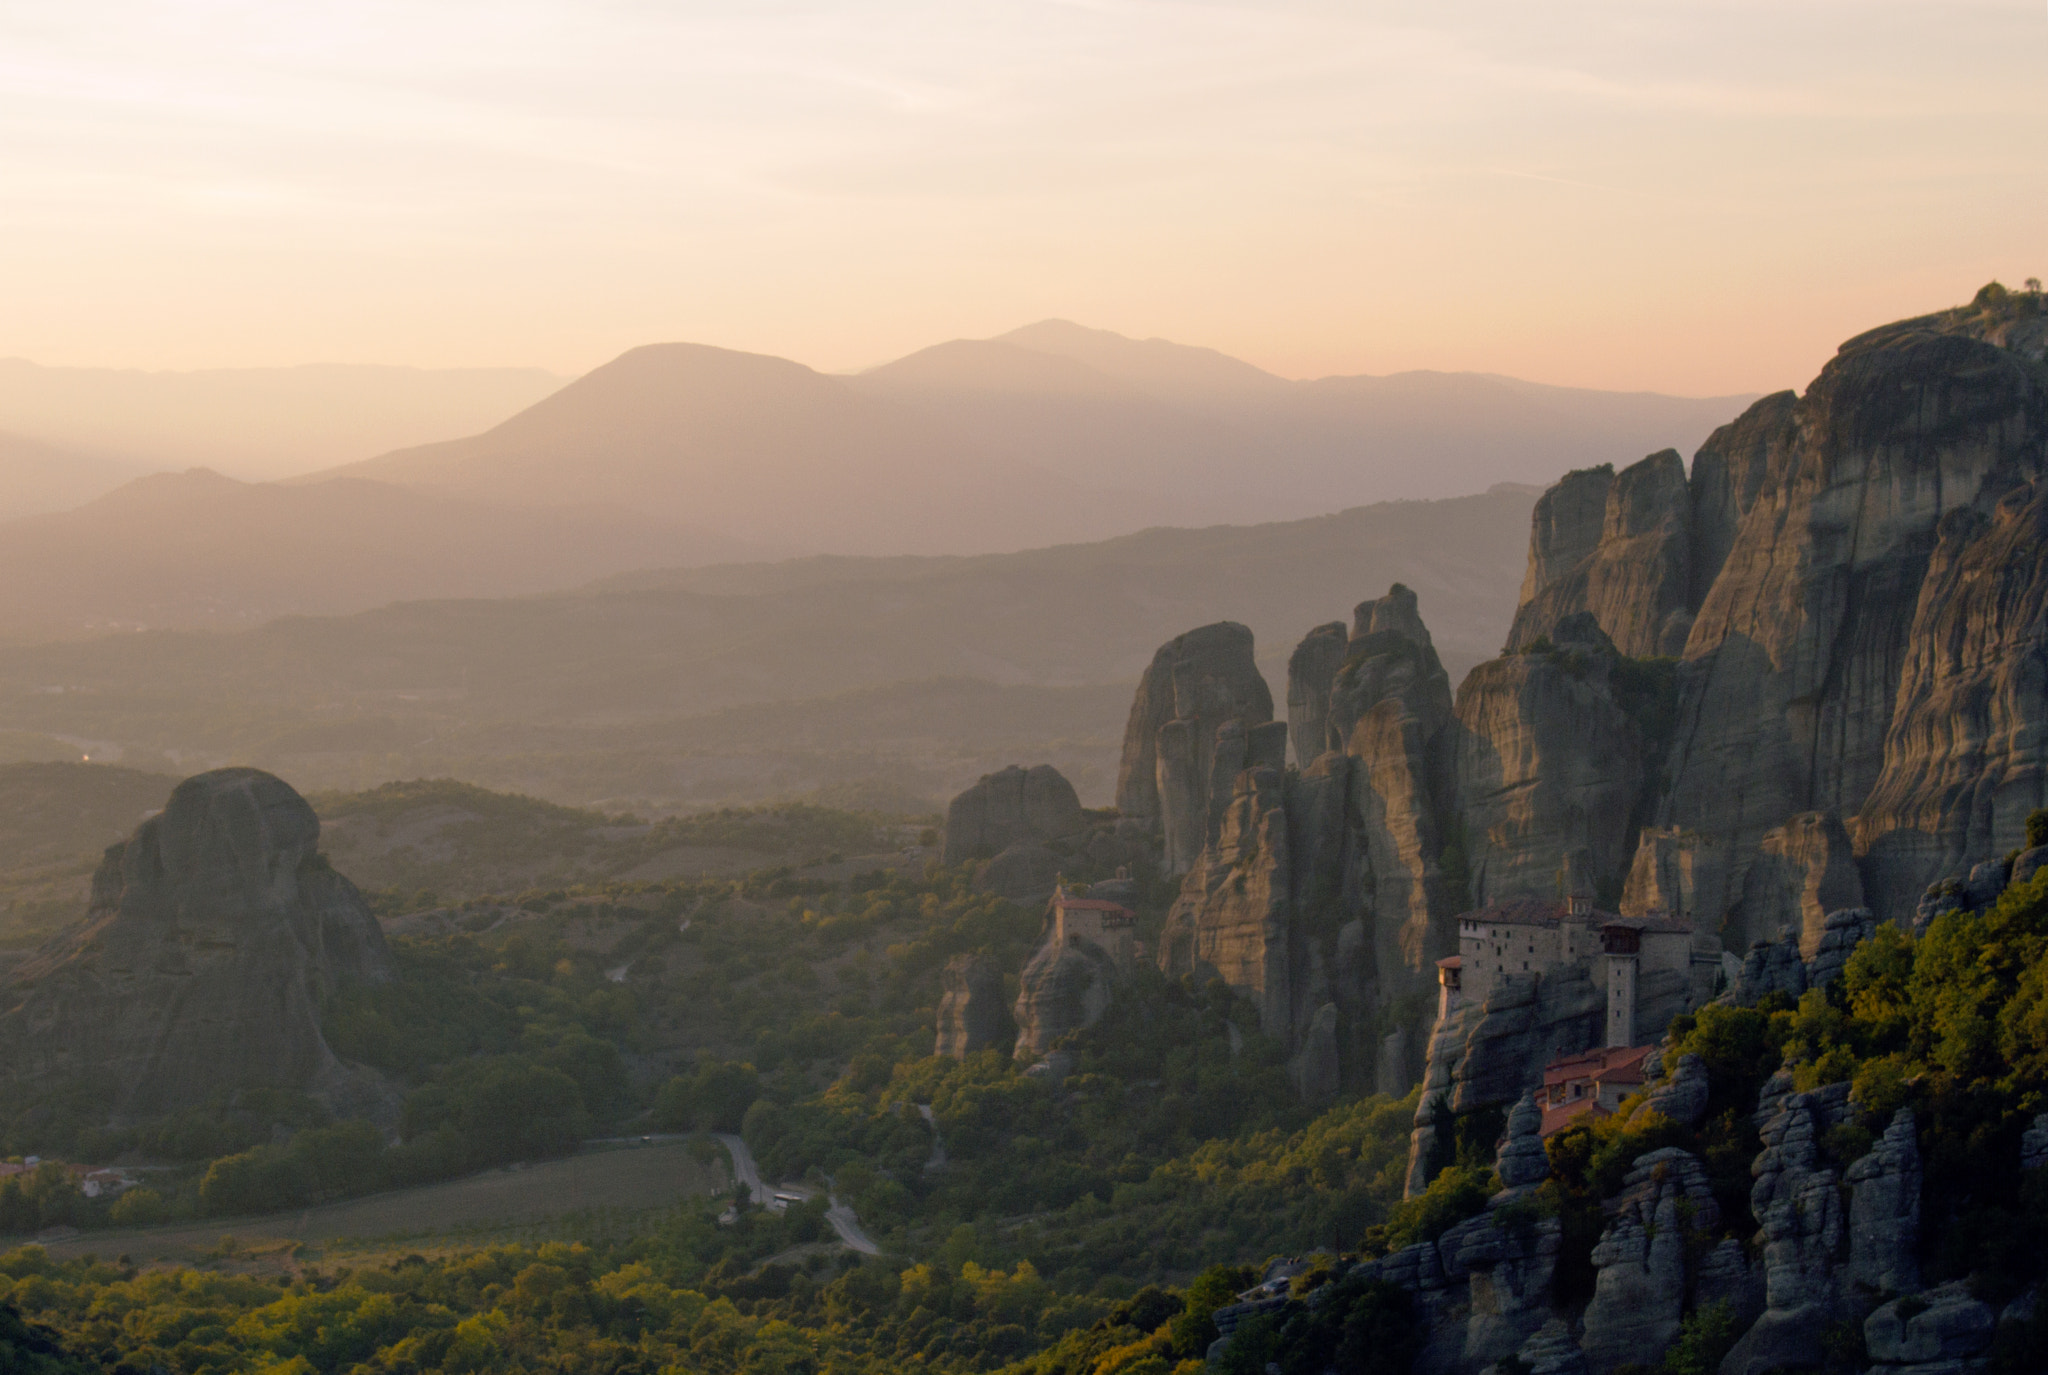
(601, 1191)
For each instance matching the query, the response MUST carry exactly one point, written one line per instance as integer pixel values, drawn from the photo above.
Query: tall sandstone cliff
(1318, 894)
(1864, 591)
(215, 933)
(1198, 682)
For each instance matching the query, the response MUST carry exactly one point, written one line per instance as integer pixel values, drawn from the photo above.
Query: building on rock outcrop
(1089, 946)
(214, 936)
(1537, 986)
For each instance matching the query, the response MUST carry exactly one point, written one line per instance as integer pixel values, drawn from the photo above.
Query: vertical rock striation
(1311, 675)
(1791, 670)
(1966, 751)
(971, 1012)
(1634, 576)
(1548, 765)
(1196, 683)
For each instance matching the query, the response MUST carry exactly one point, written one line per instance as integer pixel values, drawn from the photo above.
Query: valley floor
(476, 1210)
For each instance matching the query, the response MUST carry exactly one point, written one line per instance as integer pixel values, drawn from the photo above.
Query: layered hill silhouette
(1053, 431)
(683, 455)
(255, 423)
(755, 680)
(198, 549)
(36, 477)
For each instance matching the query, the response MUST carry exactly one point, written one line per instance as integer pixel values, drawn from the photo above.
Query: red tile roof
(1558, 1118)
(1615, 1065)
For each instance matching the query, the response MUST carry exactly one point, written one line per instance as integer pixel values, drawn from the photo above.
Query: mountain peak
(1159, 366)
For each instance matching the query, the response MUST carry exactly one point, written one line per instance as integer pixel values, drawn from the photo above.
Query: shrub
(138, 1208)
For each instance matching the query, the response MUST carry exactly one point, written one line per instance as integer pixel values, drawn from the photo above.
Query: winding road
(841, 1216)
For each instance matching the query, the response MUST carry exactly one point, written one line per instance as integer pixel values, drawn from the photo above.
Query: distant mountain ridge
(678, 455)
(1047, 433)
(255, 423)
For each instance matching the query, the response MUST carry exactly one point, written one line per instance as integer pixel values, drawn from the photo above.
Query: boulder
(1015, 806)
(1521, 1162)
(1944, 1331)
(1311, 674)
(1196, 682)
(1985, 883)
(2034, 1144)
(1552, 1351)
(1682, 1097)
(2029, 863)
(214, 937)
(1770, 967)
(1841, 933)
(971, 1012)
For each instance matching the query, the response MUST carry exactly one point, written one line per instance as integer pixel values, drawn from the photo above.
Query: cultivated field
(599, 1193)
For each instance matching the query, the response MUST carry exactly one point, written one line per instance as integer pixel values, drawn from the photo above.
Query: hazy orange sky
(1691, 197)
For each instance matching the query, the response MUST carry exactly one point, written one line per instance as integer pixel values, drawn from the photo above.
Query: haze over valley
(1153, 687)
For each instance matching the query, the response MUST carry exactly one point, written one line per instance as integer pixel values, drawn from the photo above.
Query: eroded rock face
(1023, 874)
(1640, 1285)
(216, 933)
(1063, 988)
(1884, 1211)
(1322, 888)
(1805, 870)
(1636, 577)
(1015, 806)
(1196, 683)
(1547, 764)
(1491, 1052)
(1391, 709)
(1311, 674)
(1965, 749)
(1798, 1207)
(1943, 1332)
(1564, 530)
(1793, 668)
(971, 1012)
(1233, 919)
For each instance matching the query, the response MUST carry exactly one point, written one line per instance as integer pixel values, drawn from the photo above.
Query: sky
(1689, 197)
